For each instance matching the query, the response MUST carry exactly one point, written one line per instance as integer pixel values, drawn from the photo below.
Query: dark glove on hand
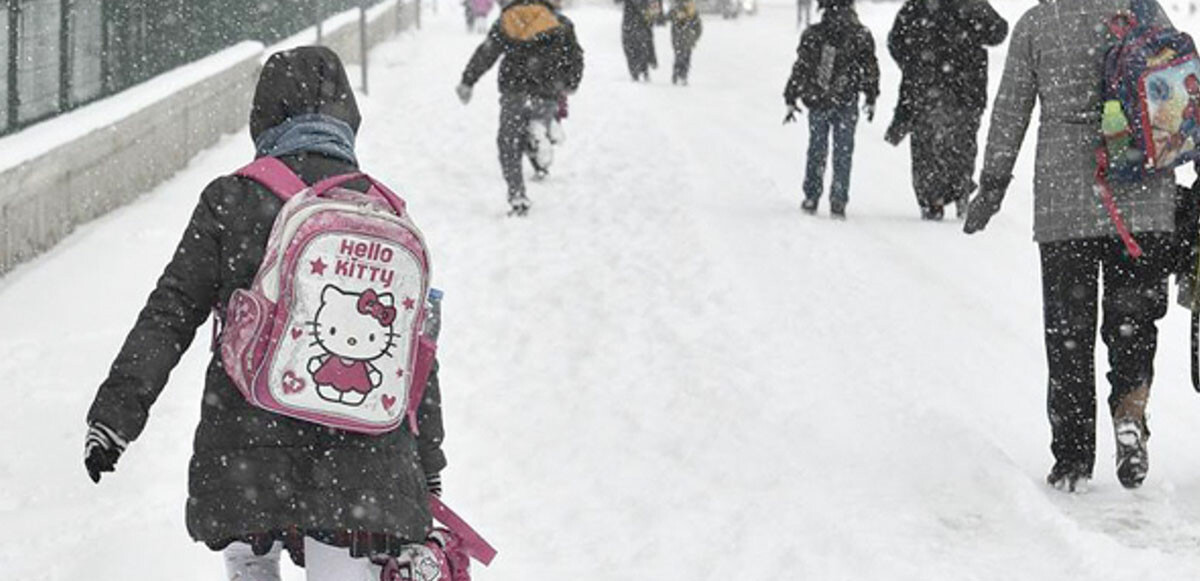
(434, 483)
(986, 204)
(464, 93)
(793, 110)
(101, 450)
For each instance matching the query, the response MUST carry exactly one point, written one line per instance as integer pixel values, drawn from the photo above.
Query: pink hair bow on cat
(369, 304)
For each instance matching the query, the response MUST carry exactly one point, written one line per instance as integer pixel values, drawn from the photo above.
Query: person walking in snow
(637, 37)
(476, 13)
(940, 48)
(686, 29)
(1055, 59)
(834, 64)
(259, 481)
(542, 61)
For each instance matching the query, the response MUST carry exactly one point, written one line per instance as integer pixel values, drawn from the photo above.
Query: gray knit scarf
(311, 133)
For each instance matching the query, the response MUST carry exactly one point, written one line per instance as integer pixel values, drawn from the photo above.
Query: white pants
(321, 563)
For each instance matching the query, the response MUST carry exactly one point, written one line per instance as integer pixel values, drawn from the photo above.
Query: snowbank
(70, 169)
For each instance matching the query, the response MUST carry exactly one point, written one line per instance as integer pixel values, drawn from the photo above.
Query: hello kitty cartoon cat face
(355, 326)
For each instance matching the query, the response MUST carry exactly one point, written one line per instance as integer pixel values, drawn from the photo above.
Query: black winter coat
(542, 56)
(255, 473)
(834, 63)
(637, 36)
(686, 27)
(939, 45)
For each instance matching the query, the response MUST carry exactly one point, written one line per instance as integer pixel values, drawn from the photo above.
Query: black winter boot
(809, 205)
(518, 204)
(837, 210)
(1133, 459)
(1071, 477)
(1129, 427)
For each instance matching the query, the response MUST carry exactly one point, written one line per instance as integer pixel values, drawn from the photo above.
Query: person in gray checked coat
(259, 481)
(1055, 58)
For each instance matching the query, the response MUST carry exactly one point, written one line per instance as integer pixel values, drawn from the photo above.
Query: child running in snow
(834, 63)
(261, 482)
(542, 60)
(685, 33)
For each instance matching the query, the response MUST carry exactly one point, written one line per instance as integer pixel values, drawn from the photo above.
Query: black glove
(793, 110)
(1186, 296)
(986, 204)
(101, 450)
(434, 483)
(463, 91)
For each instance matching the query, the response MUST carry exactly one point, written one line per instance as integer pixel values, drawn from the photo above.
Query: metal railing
(56, 55)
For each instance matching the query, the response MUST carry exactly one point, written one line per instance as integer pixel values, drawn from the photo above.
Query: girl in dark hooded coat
(940, 46)
(259, 481)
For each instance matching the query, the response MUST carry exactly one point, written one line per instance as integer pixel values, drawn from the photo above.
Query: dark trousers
(943, 147)
(683, 62)
(640, 55)
(1134, 298)
(841, 122)
(516, 111)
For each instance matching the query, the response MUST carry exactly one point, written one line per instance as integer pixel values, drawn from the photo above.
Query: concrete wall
(93, 171)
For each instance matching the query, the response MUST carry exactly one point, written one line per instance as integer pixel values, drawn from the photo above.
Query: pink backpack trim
(323, 186)
(474, 544)
(275, 176)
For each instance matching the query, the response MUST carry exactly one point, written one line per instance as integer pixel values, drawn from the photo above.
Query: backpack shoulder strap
(474, 544)
(275, 176)
(1110, 204)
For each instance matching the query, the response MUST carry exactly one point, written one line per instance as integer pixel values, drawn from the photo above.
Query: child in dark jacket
(542, 60)
(260, 482)
(834, 63)
(685, 33)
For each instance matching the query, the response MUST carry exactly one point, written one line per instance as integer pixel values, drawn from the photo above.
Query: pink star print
(399, 373)
(318, 267)
(409, 303)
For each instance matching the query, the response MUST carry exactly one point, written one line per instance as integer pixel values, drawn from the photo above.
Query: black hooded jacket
(637, 35)
(542, 56)
(940, 47)
(254, 474)
(834, 63)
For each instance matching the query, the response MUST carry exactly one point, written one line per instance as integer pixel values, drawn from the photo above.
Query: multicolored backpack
(330, 330)
(1151, 113)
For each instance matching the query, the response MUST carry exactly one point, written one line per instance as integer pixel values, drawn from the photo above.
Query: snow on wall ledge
(76, 167)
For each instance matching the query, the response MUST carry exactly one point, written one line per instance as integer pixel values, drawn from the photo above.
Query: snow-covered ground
(665, 372)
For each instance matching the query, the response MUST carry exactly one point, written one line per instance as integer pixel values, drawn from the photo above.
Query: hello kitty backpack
(330, 330)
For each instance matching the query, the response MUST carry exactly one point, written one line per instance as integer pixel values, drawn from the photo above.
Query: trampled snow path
(666, 372)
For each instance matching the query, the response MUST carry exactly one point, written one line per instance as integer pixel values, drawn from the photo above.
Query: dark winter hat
(304, 80)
